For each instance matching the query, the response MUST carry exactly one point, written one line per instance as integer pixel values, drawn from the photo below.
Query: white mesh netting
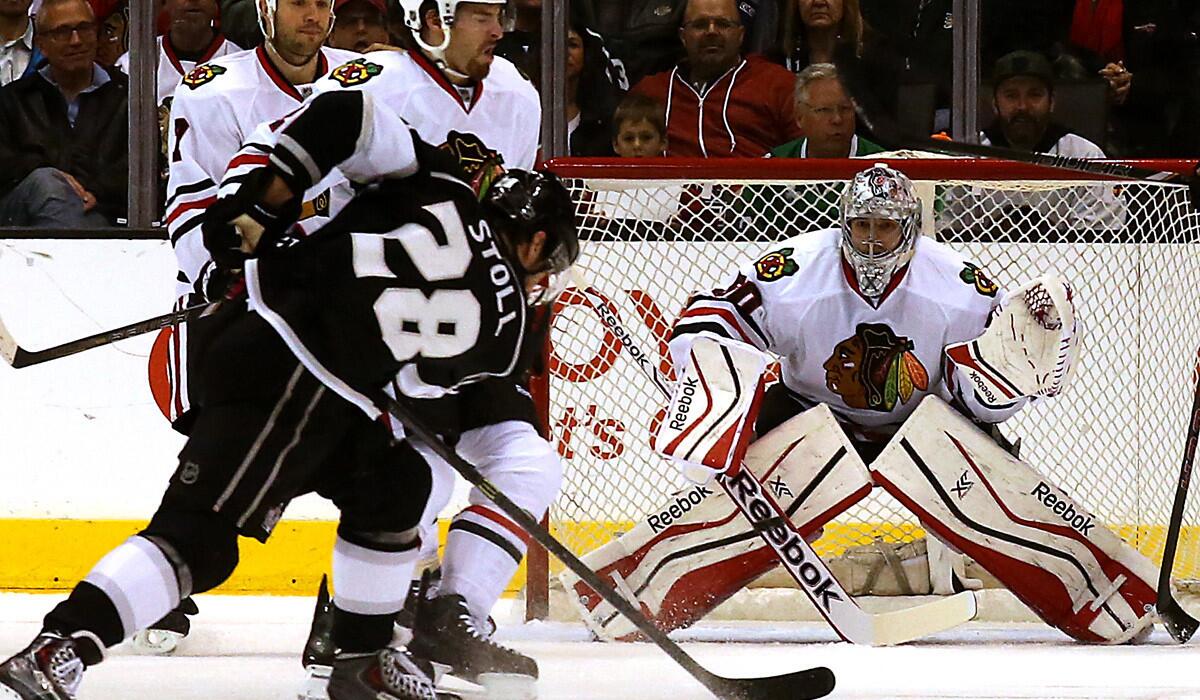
(1114, 439)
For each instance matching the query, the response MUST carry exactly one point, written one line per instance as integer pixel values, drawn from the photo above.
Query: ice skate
(381, 675)
(164, 636)
(445, 633)
(50, 668)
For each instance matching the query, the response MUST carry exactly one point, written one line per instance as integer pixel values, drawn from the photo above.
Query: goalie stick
(812, 575)
(1180, 625)
(810, 683)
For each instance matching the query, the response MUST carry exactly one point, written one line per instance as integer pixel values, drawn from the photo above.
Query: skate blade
(160, 642)
(316, 685)
(493, 686)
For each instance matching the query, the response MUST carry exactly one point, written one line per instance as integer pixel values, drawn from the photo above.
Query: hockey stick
(1180, 625)
(811, 683)
(812, 575)
(19, 357)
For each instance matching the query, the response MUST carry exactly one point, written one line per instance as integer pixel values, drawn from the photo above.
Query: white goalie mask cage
(880, 192)
(446, 10)
(266, 16)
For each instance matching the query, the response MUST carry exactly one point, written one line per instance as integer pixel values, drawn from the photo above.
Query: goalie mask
(879, 193)
(518, 205)
(414, 11)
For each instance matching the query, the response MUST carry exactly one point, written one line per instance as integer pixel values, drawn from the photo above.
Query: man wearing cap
(1023, 97)
(360, 25)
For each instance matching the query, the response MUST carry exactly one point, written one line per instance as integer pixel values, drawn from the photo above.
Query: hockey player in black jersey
(417, 286)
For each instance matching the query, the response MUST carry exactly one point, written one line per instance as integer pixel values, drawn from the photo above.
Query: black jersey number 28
(445, 323)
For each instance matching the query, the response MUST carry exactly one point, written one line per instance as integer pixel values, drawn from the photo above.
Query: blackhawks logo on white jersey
(356, 72)
(202, 74)
(875, 369)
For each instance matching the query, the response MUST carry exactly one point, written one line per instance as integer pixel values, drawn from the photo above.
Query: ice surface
(246, 648)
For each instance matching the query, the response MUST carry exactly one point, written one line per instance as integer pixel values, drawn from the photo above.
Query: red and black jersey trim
(173, 55)
(278, 78)
(440, 78)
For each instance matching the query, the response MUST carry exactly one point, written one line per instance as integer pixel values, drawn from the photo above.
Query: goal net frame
(1131, 248)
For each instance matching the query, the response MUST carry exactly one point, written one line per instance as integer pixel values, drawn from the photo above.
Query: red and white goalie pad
(696, 550)
(1044, 546)
(710, 418)
(1029, 348)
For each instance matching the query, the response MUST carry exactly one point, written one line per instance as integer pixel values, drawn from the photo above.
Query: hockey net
(656, 231)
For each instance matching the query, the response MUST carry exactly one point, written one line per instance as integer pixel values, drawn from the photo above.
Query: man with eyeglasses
(360, 25)
(825, 113)
(718, 103)
(63, 130)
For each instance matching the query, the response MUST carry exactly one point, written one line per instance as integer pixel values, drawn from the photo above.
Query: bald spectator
(360, 24)
(719, 103)
(825, 113)
(63, 135)
(18, 53)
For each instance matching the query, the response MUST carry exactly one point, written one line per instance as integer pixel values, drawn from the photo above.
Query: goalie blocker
(1045, 547)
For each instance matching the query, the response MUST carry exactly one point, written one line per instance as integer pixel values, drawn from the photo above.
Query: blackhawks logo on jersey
(776, 264)
(875, 369)
(971, 274)
(356, 72)
(202, 74)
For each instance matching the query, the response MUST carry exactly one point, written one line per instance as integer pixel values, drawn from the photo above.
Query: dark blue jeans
(44, 199)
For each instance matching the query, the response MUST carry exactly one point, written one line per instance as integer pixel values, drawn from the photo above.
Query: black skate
(445, 633)
(318, 650)
(50, 668)
(164, 636)
(429, 582)
(381, 675)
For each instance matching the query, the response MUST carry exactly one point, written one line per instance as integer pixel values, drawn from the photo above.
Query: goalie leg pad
(696, 551)
(1047, 549)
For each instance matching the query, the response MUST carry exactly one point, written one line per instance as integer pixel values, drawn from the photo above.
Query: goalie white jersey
(503, 110)
(871, 364)
(216, 106)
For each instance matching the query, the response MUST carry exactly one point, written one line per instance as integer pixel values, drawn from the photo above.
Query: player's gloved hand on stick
(257, 214)
(710, 420)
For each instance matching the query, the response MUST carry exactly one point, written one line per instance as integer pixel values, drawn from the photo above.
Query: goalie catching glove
(710, 418)
(1029, 348)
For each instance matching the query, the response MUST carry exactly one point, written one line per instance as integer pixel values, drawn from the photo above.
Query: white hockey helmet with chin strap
(266, 16)
(880, 192)
(446, 9)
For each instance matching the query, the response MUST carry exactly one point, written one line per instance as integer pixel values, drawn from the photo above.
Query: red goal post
(656, 230)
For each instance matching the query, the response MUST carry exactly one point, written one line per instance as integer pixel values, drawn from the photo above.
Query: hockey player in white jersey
(893, 349)
(215, 108)
(453, 91)
(193, 38)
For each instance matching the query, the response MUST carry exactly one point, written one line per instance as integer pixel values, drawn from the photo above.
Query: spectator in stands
(1023, 96)
(239, 22)
(818, 31)
(359, 25)
(522, 43)
(639, 128)
(825, 113)
(717, 102)
(63, 129)
(19, 55)
(594, 88)
(113, 39)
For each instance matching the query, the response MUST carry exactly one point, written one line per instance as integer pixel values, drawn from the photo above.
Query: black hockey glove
(222, 238)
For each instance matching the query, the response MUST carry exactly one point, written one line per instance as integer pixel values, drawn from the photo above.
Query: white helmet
(266, 16)
(880, 192)
(445, 10)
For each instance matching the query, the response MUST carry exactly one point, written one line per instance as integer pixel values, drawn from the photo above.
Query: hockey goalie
(896, 355)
